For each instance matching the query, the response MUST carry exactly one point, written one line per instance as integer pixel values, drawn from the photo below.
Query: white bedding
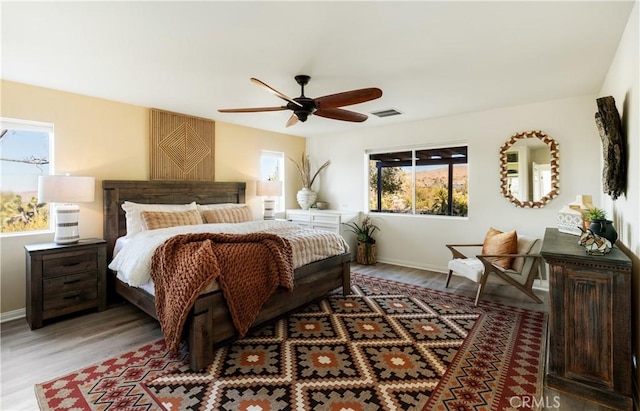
(132, 261)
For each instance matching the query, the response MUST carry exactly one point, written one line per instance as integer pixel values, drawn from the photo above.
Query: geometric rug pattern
(387, 346)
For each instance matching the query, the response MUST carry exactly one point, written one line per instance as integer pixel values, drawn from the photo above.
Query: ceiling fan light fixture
(302, 115)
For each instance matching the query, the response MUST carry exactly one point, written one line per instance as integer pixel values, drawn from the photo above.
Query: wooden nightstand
(65, 278)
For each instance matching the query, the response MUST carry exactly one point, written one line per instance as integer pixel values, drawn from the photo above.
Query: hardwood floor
(30, 357)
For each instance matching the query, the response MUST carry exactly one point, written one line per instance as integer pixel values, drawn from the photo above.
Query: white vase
(306, 198)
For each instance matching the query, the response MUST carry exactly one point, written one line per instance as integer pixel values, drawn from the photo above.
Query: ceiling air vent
(386, 113)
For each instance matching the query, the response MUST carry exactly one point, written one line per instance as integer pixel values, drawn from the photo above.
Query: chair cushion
(470, 268)
(498, 242)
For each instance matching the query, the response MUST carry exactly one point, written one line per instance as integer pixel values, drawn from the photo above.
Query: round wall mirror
(529, 174)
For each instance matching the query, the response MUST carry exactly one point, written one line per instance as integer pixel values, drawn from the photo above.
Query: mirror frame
(554, 162)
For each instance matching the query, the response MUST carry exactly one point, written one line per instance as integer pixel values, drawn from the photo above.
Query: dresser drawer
(67, 283)
(70, 301)
(73, 263)
(299, 217)
(324, 227)
(325, 219)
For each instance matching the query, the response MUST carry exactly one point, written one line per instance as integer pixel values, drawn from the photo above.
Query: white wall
(419, 241)
(622, 83)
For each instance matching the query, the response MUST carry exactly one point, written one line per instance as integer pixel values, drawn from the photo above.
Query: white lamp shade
(269, 188)
(66, 189)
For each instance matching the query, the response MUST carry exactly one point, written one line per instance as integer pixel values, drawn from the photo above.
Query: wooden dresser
(65, 278)
(589, 321)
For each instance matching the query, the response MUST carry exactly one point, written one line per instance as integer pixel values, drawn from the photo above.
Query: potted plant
(366, 252)
(595, 213)
(600, 225)
(306, 196)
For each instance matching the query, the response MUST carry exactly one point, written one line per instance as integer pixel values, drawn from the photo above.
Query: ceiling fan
(326, 106)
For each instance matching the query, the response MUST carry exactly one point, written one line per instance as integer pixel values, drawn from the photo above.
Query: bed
(209, 321)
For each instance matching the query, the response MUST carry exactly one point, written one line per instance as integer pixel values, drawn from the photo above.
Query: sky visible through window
(24, 155)
(17, 149)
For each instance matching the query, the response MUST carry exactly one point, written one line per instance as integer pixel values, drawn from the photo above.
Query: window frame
(37, 126)
(280, 206)
(413, 163)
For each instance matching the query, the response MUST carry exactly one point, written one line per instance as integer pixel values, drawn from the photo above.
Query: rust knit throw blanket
(248, 268)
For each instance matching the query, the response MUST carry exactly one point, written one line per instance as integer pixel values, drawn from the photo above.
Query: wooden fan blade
(340, 114)
(292, 120)
(348, 98)
(250, 110)
(276, 92)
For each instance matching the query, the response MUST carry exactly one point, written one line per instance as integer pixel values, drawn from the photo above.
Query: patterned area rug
(388, 346)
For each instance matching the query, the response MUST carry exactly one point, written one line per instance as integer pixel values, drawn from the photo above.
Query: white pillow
(134, 219)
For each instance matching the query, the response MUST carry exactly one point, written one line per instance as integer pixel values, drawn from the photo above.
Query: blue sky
(21, 145)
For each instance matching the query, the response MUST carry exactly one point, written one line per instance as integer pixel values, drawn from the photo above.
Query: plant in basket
(366, 252)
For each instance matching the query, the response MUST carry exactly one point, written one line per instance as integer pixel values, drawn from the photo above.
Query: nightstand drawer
(72, 282)
(69, 302)
(71, 264)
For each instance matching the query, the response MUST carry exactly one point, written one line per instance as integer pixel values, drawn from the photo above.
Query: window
(25, 154)
(419, 181)
(272, 169)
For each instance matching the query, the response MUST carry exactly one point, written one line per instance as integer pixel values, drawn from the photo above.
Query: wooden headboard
(116, 192)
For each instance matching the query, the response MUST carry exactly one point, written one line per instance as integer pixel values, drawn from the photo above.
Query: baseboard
(542, 285)
(13, 315)
(413, 264)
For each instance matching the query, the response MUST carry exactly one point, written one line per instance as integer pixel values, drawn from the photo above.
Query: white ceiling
(430, 58)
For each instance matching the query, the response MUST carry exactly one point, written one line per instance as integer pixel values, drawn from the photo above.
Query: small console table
(589, 321)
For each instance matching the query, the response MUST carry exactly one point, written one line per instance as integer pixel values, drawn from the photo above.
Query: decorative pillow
(228, 215)
(162, 219)
(133, 210)
(498, 242)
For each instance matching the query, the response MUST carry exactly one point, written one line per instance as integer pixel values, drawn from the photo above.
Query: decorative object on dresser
(614, 152)
(66, 190)
(593, 243)
(322, 205)
(64, 279)
(209, 321)
(529, 169)
(590, 322)
(599, 225)
(570, 220)
(306, 196)
(182, 147)
(575, 215)
(268, 190)
(366, 252)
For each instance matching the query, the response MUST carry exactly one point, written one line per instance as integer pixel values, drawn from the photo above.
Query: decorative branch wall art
(614, 170)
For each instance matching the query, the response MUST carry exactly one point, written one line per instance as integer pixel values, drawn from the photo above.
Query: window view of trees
(430, 181)
(24, 155)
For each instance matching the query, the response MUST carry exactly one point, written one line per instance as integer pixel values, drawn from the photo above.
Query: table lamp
(66, 191)
(269, 189)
